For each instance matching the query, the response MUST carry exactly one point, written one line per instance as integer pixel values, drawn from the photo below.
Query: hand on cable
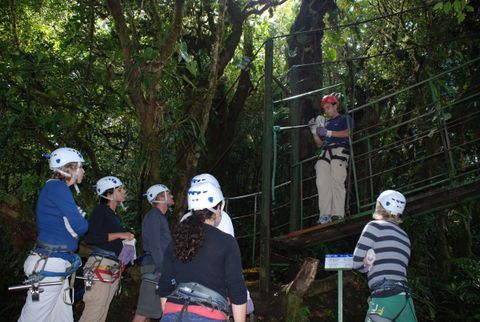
(313, 126)
(323, 132)
(80, 210)
(320, 121)
(129, 252)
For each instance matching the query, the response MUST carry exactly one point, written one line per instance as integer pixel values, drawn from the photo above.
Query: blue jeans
(186, 316)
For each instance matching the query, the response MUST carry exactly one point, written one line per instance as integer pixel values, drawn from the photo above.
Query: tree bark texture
(297, 289)
(149, 107)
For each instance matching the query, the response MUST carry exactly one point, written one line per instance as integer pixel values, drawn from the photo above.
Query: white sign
(338, 261)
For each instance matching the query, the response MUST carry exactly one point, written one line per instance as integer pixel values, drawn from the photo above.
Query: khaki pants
(331, 175)
(51, 306)
(98, 298)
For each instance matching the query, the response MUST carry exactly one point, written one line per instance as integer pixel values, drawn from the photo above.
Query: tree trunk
(200, 111)
(297, 288)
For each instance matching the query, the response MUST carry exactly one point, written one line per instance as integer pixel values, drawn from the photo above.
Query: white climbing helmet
(153, 192)
(204, 177)
(392, 201)
(63, 156)
(204, 196)
(106, 183)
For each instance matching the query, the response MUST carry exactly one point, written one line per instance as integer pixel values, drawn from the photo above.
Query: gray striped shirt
(392, 249)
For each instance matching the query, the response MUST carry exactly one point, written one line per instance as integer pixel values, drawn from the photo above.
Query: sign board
(338, 261)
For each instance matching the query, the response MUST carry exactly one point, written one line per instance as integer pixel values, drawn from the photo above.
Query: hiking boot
(324, 219)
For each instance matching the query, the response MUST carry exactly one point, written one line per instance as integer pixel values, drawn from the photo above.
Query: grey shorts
(148, 301)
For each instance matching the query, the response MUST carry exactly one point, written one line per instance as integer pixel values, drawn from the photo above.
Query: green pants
(397, 308)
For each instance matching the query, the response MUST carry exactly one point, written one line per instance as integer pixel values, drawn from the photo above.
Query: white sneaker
(324, 219)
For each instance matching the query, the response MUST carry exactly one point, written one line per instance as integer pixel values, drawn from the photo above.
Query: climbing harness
(386, 288)
(326, 153)
(195, 293)
(45, 251)
(98, 272)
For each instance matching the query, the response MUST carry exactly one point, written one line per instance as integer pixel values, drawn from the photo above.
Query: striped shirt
(392, 249)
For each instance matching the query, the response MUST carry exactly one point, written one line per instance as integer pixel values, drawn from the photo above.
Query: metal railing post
(266, 172)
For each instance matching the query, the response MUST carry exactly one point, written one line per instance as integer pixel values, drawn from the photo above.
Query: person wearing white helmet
(156, 237)
(383, 253)
(204, 263)
(332, 136)
(106, 234)
(225, 224)
(60, 223)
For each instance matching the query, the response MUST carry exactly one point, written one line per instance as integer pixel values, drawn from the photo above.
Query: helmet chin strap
(164, 201)
(74, 177)
(114, 200)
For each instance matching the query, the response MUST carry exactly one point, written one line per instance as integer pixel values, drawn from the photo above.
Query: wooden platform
(421, 203)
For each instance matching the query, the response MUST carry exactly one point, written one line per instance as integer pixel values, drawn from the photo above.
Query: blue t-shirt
(55, 202)
(339, 123)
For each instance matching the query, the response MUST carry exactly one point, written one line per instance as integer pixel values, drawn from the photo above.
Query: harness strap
(95, 269)
(183, 310)
(107, 270)
(201, 295)
(76, 262)
(97, 251)
(331, 156)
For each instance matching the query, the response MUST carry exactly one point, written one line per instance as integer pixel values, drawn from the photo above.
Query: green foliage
(457, 8)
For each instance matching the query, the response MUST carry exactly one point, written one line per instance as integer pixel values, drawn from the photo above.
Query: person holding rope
(331, 167)
(383, 252)
(103, 267)
(60, 223)
(203, 265)
(156, 237)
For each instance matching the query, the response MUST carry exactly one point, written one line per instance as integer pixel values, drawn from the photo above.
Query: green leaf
(457, 6)
(192, 67)
(149, 53)
(447, 7)
(438, 6)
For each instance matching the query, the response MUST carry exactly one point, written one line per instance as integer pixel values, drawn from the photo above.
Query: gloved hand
(323, 132)
(313, 126)
(80, 210)
(129, 252)
(320, 121)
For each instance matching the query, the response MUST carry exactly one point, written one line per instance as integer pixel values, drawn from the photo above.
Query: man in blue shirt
(331, 168)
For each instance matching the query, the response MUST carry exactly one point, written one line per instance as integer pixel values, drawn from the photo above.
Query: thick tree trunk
(297, 289)
(200, 111)
(149, 108)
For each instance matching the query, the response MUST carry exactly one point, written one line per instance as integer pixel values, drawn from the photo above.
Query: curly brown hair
(69, 166)
(190, 235)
